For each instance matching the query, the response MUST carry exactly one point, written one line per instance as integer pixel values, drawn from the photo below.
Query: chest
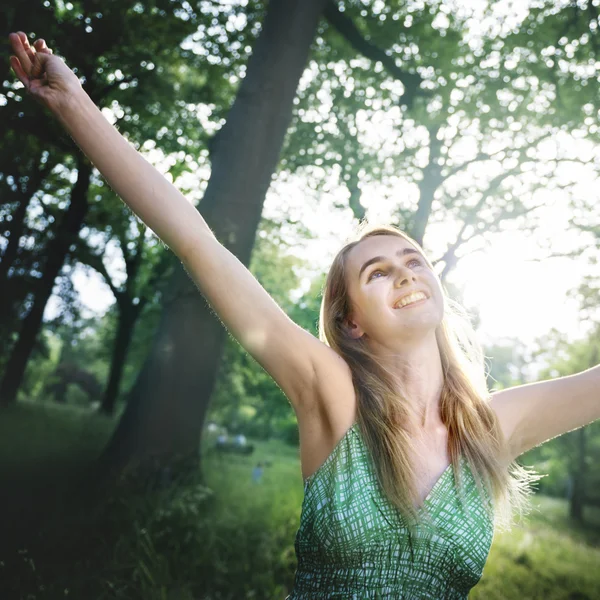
(430, 460)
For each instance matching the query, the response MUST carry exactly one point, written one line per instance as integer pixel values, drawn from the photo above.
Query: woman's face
(395, 296)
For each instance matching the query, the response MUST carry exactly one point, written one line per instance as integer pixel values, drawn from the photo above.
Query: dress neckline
(436, 485)
(354, 427)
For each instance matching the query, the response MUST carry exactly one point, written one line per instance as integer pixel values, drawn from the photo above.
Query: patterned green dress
(353, 544)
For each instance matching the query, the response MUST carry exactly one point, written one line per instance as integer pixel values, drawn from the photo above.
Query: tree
(472, 143)
(146, 263)
(432, 86)
(137, 78)
(166, 409)
(578, 450)
(245, 397)
(29, 175)
(57, 250)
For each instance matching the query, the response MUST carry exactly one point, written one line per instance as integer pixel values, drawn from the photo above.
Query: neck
(417, 368)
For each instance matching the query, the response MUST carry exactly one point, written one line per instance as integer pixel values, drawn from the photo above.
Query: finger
(17, 45)
(29, 49)
(40, 46)
(16, 67)
(16, 40)
(24, 40)
(31, 52)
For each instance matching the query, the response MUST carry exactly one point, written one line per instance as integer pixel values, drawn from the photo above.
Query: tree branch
(449, 256)
(85, 255)
(346, 27)
(571, 254)
(481, 156)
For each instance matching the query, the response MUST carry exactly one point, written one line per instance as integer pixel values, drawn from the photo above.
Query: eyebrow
(377, 259)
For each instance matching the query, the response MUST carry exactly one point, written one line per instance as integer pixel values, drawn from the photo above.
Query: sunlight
(519, 298)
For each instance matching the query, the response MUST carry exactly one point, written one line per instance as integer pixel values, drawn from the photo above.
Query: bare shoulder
(331, 411)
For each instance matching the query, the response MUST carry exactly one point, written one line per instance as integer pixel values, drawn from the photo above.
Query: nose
(403, 278)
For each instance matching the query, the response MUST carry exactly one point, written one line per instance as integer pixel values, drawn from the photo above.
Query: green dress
(352, 543)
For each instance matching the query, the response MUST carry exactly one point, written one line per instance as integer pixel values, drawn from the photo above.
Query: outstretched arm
(286, 351)
(535, 413)
(150, 195)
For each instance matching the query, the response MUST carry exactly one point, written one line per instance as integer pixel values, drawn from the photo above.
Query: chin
(422, 320)
(417, 329)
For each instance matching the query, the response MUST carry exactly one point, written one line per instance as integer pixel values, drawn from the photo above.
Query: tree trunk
(432, 179)
(128, 315)
(168, 403)
(12, 247)
(15, 230)
(578, 478)
(56, 253)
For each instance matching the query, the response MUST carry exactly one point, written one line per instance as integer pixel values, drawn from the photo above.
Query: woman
(407, 460)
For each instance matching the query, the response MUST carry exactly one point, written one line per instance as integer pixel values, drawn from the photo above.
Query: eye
(377, 271)
(415, 261)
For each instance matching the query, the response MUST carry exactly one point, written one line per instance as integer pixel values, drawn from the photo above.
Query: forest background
(473, 126)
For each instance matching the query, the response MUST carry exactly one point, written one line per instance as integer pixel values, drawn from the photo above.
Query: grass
(546, 558)
(34, 436)
(224, 537)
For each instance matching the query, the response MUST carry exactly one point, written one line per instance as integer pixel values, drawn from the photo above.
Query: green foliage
(507, 362)
(79, 342)
(167, 72)
(246, 399)
(557, 47)
(155, 68)
(485, 92)
(561, 459)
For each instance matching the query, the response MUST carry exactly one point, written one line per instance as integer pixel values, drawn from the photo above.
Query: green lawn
(226, 537)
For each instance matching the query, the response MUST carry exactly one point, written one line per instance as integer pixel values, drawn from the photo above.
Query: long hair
(382, 411)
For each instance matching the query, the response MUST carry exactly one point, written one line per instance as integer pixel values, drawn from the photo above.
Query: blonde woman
(408, 461)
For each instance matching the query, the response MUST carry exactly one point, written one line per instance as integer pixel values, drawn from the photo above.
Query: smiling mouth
(410, 299)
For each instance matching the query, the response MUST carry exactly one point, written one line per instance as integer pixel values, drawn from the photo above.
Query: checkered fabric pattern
(354, 544)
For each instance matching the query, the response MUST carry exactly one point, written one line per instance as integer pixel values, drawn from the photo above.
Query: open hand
(46, 77)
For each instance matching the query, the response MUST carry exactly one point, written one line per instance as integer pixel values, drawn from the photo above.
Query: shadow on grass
(216, 538)
(167, 540)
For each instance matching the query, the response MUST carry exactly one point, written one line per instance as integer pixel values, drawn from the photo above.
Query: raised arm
(286, 351)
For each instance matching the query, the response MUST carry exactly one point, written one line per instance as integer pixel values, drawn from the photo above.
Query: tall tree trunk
(56, 253)
(14, 230)
(432, 179)
(578, 478)
(128, 315)
(168, 403)
(36, 175)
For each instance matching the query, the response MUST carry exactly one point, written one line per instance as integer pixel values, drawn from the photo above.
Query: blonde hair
(382, 412)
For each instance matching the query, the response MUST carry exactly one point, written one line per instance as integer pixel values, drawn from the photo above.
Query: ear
(354, 330)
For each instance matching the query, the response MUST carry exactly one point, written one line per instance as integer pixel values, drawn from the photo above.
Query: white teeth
(415, 297)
